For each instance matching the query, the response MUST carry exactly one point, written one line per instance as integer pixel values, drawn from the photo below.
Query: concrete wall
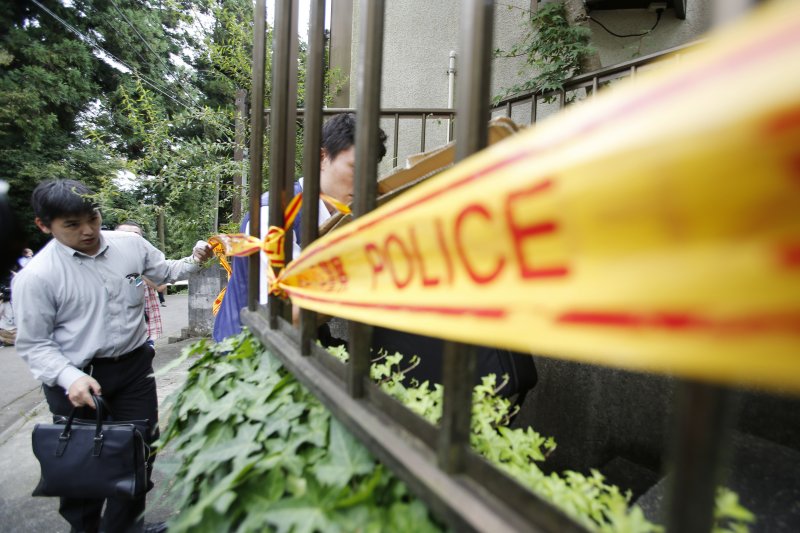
(418, 38)
(669, 33)
(420, 34)
(596, 414)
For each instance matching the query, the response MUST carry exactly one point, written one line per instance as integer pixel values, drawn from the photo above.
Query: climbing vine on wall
(552, 49)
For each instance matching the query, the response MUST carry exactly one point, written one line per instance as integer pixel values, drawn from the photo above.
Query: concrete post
(204, 286)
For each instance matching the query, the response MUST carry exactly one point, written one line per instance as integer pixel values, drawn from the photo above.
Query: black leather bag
(92, 458)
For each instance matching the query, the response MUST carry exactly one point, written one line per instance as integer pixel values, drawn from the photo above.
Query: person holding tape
(336, 180)
(336, 174)
(81, 329)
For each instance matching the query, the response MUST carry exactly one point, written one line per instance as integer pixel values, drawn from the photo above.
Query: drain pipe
(451, 91)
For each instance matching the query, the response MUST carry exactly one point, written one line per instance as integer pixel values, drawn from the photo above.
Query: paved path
(19, 392)
(23, 406)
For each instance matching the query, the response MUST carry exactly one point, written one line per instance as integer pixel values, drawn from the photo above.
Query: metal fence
(527, 107)
(396, 116)
(437, 463)
(523, 108)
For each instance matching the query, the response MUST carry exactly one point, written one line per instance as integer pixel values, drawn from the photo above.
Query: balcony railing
(523, 108)
(526, 107)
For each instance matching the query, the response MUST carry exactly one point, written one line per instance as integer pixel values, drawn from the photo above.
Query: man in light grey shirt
(81, 330)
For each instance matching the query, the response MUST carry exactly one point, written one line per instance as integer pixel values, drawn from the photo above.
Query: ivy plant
(552, 50)
(258, 452)
(588, 499)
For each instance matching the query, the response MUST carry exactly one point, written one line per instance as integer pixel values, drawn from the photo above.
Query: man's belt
(119, 358)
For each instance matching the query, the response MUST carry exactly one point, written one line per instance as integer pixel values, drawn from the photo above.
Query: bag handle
(100, 403)
(63, 439)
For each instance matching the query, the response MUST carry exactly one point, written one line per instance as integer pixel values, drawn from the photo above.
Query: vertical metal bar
(238, 153)
(533, 109)
(287, 184)
(473, 113)
(508, 109)
(312, 130)
(256, 144)
(281, 167)
(451, 124)
(424, 124)
(633, 71)
(341, 40)
(451, 91)
(472, 107)
(396, 138)
(460, 365)
(594, 86)
(562, 99)
(368, 103)
(703, 418)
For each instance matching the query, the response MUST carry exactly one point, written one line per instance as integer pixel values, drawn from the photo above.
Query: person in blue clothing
(336, 180)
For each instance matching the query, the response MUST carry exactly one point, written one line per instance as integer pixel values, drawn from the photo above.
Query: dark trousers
(129, 390)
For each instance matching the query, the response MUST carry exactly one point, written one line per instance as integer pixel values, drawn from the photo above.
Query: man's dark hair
(339, 134)
(61, 198)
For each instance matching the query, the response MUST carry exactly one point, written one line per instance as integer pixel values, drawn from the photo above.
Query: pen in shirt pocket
(135, 279)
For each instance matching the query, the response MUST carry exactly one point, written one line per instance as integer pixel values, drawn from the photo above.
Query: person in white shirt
(336, 173)
(81, 329)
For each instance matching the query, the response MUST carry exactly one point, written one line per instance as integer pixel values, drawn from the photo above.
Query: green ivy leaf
(346, 458)
(306, 513)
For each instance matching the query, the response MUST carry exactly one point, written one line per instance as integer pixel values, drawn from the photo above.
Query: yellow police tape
(241, 244)
(656, 228)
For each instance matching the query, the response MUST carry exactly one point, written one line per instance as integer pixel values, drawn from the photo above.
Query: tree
(57, 109)
(47, 83)
(134, 98)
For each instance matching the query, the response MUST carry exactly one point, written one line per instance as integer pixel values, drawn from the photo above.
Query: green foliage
(730, 516)
(258, 450)
(588, 499)
(58, 113)
(47, 80)
(228, 49)
(552, 50)
(155, 141)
